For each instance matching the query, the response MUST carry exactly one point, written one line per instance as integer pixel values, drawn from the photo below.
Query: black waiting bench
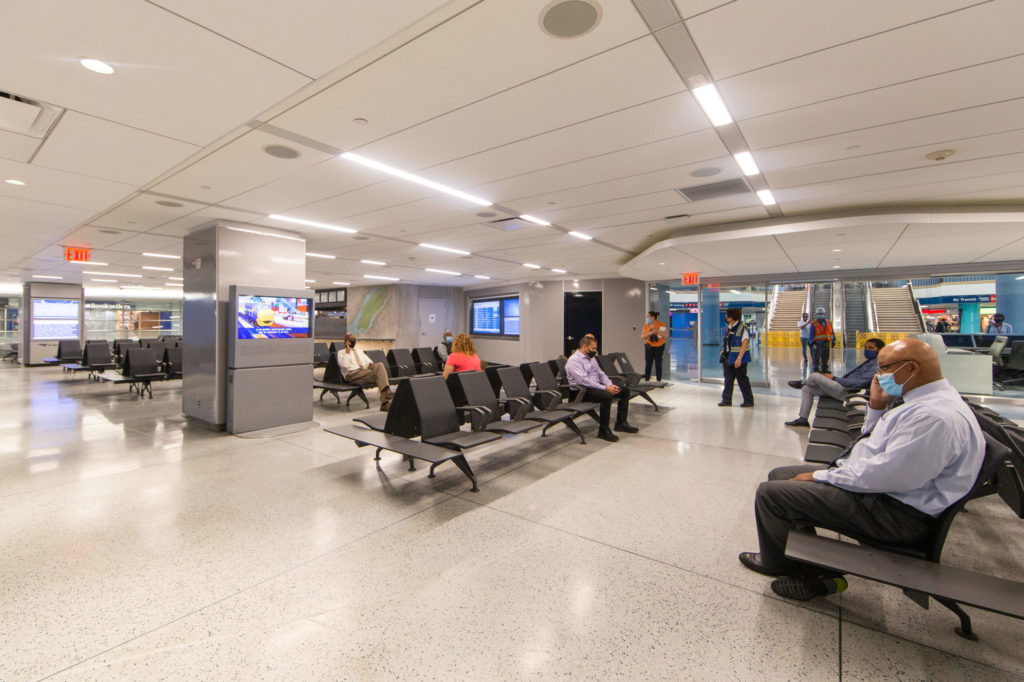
(333, 383)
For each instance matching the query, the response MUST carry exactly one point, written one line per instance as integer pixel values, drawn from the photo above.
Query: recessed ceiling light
(766, 197)
(390, 279)
(161, 255)
(444, 272)
(531, 266)
(559, 270)
(279, 151)
(341, 284)
(746, 163)
(535, 221)
(87, 262)
(310, 254)
(580, 235)
(96, 66)
(15, 181)
(47, 277)
(170, 204)
(660, 263)
(311, 223)
(109, 274)
(93, 279)
(373, 262)
(307, 281)
(836, 250)
(446, 248)
(835, 267)
(179, 279)
(486, 277)
(712, 104)
(153, 267)
(398, 173)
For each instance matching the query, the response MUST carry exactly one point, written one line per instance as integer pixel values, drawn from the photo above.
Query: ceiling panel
(58, 187)
(96, 237)
(142, 213)
(482, 51)
(689, 8)
(17, 147)
(330, 178)
(182, 226)
(749, 34)
(102, 149)
(41, 215)
(311, 36)
(896, 56)
(1014, 251)
(842, 237)
(148, 242)
(173, 77)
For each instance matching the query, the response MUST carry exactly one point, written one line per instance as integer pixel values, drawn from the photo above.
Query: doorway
(433, 321)
(582, 315)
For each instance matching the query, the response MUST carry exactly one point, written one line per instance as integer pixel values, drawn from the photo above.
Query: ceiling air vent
(507, 224)
(714, 190)
(26, 117)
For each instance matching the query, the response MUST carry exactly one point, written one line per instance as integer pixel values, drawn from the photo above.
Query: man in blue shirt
(916, 461)
(735, 358)
(826, 384)
(585, 375)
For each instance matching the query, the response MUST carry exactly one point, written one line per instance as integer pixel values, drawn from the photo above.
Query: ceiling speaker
(570, 18)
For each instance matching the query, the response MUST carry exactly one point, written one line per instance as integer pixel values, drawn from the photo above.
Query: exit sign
(690, 278)
(77, 254)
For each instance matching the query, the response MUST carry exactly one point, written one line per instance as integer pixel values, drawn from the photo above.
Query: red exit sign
(690, 278)
(77, 254)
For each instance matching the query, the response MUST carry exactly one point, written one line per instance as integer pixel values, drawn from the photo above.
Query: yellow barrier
(788, 340)
(888, 337)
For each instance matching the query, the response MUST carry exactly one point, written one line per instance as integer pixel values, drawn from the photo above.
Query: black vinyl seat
(473, 390)
(425, 361)
(550, 395)
(334, 383)
(401, 362)
(97, 357)
(607, 365)
(321, 354)
(439, 420)
(379, 356)
(141, 369)
(172, 362)
(521, 403)
(626, 369)
(69, 351)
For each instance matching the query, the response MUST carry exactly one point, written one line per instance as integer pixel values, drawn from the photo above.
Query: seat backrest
(998, 344)
(607, 365)
(121, 345)
(402, 362)
(139, 361)
(172, 360)
(424, 359)
(513, 383)
(624, 362)
(69, 350)
(473, 388)
(935, 341)
(543, 376)
(403, 418)
(320, 352)
(494, 378)
(157, 347)
(97, 354)
(1016, 359)
(433, 404)
(379, 356)
(332, 375)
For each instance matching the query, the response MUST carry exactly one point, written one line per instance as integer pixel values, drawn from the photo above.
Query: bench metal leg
(412, 462)
(358, 392)
(964, 629)
(649, 399)
(460, 461)
(575, 429)
(376, 457)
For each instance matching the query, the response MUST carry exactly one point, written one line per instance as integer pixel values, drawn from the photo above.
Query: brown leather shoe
(385, 406)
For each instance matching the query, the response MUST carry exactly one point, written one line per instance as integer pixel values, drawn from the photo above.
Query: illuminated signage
(77, 254)
(690, 278)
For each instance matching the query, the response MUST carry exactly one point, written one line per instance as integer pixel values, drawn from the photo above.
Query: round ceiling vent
(281, 152)
(570, 18)
(171, 204)
(486, 214)
(706, 172)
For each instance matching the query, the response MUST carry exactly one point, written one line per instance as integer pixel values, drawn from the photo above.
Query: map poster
(373, 312)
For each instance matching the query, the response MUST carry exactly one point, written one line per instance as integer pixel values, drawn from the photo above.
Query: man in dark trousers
(585, 375)
(822, 338)
(735, 358)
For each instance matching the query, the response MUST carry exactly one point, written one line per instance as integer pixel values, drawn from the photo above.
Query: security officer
(735, 357)
(823, 339)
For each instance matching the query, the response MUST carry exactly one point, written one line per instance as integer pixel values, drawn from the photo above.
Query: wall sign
(690, 278)
(77, 254)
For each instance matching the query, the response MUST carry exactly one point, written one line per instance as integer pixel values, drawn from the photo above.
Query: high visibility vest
(823, 331)
(656, 341)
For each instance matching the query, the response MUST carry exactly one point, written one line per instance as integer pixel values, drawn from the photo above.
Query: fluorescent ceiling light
(15, 181)
(747, 163)
(390, 279)
(268, 234)
(308, 281)
(109, 274)
(559, 270)
(580, 235)
(766, 197)
(161, 255)
(96, 66)
(712, 104)
(486, 277)
(86, 262)
(341, 284)
(390, 170)
(446, 248)
(535, 221)
(311, 223)
(310, 254)
(153, 267)
(102, 280)
(47, 277)
(444, 272)
(836, 250)
(373, 262)
(1021, 277)
(173, 284)
(179, 279)
(531, 266)
(835, 267)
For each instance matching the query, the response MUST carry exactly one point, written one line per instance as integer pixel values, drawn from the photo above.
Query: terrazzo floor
(137, 546)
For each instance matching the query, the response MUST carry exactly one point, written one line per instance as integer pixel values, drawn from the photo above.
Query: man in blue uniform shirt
(836, 387)
(916, 461)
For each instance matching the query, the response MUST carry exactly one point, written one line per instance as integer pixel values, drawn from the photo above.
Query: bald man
(916, 460)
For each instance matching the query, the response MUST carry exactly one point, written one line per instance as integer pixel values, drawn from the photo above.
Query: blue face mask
(888, 383)
(821, 317)
(870, 354)
(447, 339)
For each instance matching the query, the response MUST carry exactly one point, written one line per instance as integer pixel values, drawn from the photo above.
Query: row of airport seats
(917, 569)
(142, 366)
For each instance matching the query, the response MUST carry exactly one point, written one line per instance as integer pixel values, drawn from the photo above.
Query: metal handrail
(869, 303)
(917, 307)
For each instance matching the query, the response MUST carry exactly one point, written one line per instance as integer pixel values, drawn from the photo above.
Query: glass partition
(753, 303)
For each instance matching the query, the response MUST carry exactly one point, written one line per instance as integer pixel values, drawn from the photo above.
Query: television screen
(510, 316)
(273, 317)
(55, 318)
(486, 317)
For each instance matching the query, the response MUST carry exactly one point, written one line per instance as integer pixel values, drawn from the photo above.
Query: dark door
(582, 316)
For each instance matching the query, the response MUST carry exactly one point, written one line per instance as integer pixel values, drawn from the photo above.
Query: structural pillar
(710, 327)
(1010, 300)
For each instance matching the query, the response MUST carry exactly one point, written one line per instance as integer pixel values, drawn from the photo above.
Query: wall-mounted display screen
(55, 318)
(273, 317)
(496, 316)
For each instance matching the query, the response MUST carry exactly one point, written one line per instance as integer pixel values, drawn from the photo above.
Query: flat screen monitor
(55, 319)
(495, 316)
(272, 317)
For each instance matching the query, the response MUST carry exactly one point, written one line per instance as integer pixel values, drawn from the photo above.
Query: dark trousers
(598, 395)
(782, 505)
(653, 355)
(739, 375)
(819, 355)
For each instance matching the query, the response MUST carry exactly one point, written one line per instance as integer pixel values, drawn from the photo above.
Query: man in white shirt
(357, 368)
(806, 333)
(916, 461)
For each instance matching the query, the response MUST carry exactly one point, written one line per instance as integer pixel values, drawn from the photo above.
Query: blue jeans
(804, 342)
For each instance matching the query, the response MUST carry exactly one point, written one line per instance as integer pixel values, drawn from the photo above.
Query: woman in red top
(463, 356)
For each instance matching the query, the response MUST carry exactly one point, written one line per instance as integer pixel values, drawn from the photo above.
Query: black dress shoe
(747, 404)
(797, 384)
(626, 427)
(752, 560)
(608, 436)
(724, 404)
(799, 421)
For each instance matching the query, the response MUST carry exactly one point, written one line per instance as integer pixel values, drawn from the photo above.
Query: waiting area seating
(333, 383)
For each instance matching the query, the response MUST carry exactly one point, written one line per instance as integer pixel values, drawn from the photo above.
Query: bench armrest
(479, 416)
(518, 408)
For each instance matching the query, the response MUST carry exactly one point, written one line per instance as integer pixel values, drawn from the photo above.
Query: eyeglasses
(884, 367)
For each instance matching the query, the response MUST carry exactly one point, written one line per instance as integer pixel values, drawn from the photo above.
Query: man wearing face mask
(998, 325)
(358, 368)
(585, 375)
(822, 339)
(912, 463)
(837, 387)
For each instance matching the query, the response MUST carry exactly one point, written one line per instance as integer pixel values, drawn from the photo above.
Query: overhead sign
(936, 300)
(77, 254)
(690, 278)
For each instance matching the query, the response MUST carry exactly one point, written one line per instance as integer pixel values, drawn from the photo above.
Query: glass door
(752, 302)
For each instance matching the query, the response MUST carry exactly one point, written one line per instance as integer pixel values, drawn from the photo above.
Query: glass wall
(753, 304)
(107, 320)
(9, 319)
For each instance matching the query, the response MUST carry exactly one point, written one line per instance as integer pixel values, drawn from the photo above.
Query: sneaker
(797, 384)
(626, 427)
(747, 404)
(805, 589)
(608, 436)
(724, 404)
(799, 421)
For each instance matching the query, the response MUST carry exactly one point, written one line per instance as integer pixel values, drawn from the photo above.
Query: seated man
(826, 384)
(357, 368)
(913, 462)
(585, 375)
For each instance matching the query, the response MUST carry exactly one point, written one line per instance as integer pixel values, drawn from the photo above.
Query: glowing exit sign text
(77, 254)
(690, 278)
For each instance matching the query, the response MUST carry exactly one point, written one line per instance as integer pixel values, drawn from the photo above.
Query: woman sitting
(463, 357)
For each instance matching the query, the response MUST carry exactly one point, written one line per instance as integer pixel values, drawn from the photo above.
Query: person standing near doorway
(823, 338)
(805, 335)
(654, 335)
(735, 357)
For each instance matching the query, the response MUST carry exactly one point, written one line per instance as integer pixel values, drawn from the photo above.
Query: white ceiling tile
(142, 213)
(59, 187)
(842, 237)
(182, 226)
(689, 8)
(17, 147)
(95, 237)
